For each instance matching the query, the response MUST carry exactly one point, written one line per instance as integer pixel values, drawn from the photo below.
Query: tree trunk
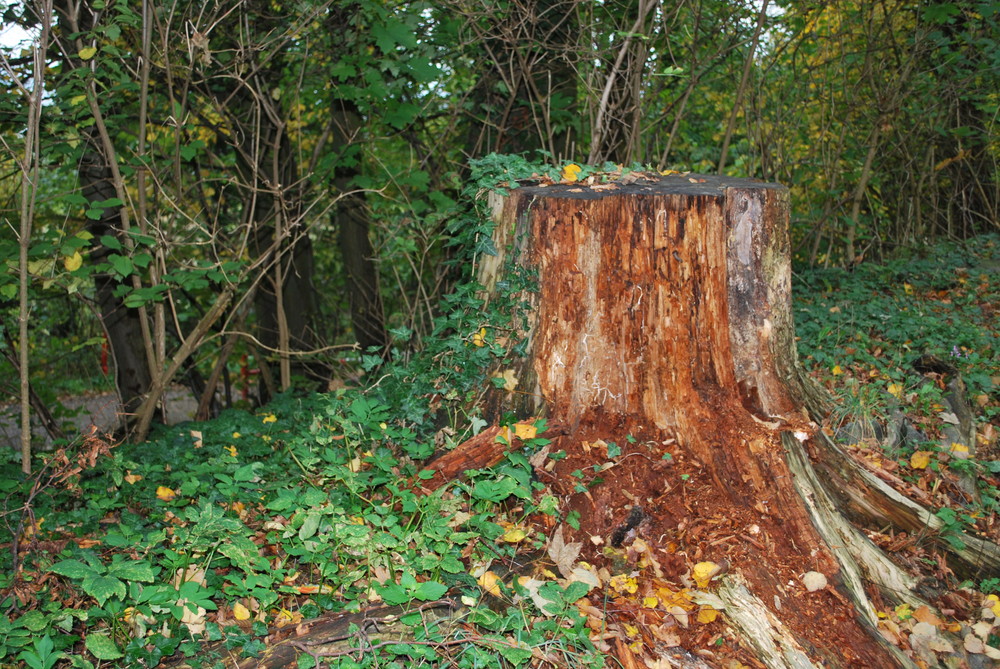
(350, 217)
(662, 322)
(123, 325)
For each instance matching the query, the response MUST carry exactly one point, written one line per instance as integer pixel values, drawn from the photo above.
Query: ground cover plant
(216, 539)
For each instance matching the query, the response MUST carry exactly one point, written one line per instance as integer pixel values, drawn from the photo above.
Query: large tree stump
(662, 321)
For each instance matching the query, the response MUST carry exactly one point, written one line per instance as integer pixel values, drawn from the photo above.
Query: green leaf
(121, 265)
(309, 526)
(111, 242)
(393, 33)
(245, 473)
(102, 647)
(73, 569)
(33, 621)
(393, 594)
(103, 588)
(430, 590)
(133, 571)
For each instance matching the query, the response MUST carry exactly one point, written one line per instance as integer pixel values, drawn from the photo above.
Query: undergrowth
(205, 540)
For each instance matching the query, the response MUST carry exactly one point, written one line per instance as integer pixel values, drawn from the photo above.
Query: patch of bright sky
(13, 35)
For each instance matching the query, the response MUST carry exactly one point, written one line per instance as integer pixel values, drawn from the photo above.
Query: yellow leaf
(525, 430)
(993, 602)
(73, 262)
(132, 479)
(908, 289)
(87, 53)
(241, 612)
(904, 612)
(920, 459)
(650, 602)
(509, 379)
(707, 615)
(196, 435)
(896, 390)
(837, 370)
(490, 582)
(571, 172)
(959, 451)
(703, 572)
(479, 338)
(624, 583)
(269, 418)
(514, 535)
(164, 493)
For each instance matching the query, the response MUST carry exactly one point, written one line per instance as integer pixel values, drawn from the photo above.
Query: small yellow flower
(236, 435)
(269, 418)
(230, 449)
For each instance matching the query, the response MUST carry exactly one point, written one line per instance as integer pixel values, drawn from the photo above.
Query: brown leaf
(562, 553)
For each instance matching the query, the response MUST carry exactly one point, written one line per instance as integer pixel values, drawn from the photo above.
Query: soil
(657, 493)
(79, 414)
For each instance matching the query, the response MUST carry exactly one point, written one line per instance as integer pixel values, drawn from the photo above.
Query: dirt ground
(85, 411)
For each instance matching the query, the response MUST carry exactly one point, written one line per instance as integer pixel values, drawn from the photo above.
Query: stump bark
(662, 321)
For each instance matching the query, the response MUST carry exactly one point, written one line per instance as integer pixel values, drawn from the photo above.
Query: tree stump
(662, 322)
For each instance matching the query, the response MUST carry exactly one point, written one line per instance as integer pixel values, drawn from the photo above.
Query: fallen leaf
(707, 615)
(515, 535)
(510, 380)
(703, 572)
(490, 582)
(948, 417)
(571, 172)
(241, 612)
(959, 451)
(562, 553)
(525, 430)
(920, 459)
(925, 615)
(164, 493)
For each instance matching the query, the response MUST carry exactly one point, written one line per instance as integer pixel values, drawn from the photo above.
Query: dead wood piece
(341, 634)
(481, 451)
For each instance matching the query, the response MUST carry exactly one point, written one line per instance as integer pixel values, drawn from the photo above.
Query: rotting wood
(344, 634)
(664, 309)
(483, 450)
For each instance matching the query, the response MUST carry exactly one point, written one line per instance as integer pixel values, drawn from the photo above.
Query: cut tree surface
(662, 322)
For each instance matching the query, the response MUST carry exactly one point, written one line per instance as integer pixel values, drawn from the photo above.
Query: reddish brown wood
(663, 310)
(478, 452)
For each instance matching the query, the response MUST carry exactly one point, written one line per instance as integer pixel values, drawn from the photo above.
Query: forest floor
(258, 531)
